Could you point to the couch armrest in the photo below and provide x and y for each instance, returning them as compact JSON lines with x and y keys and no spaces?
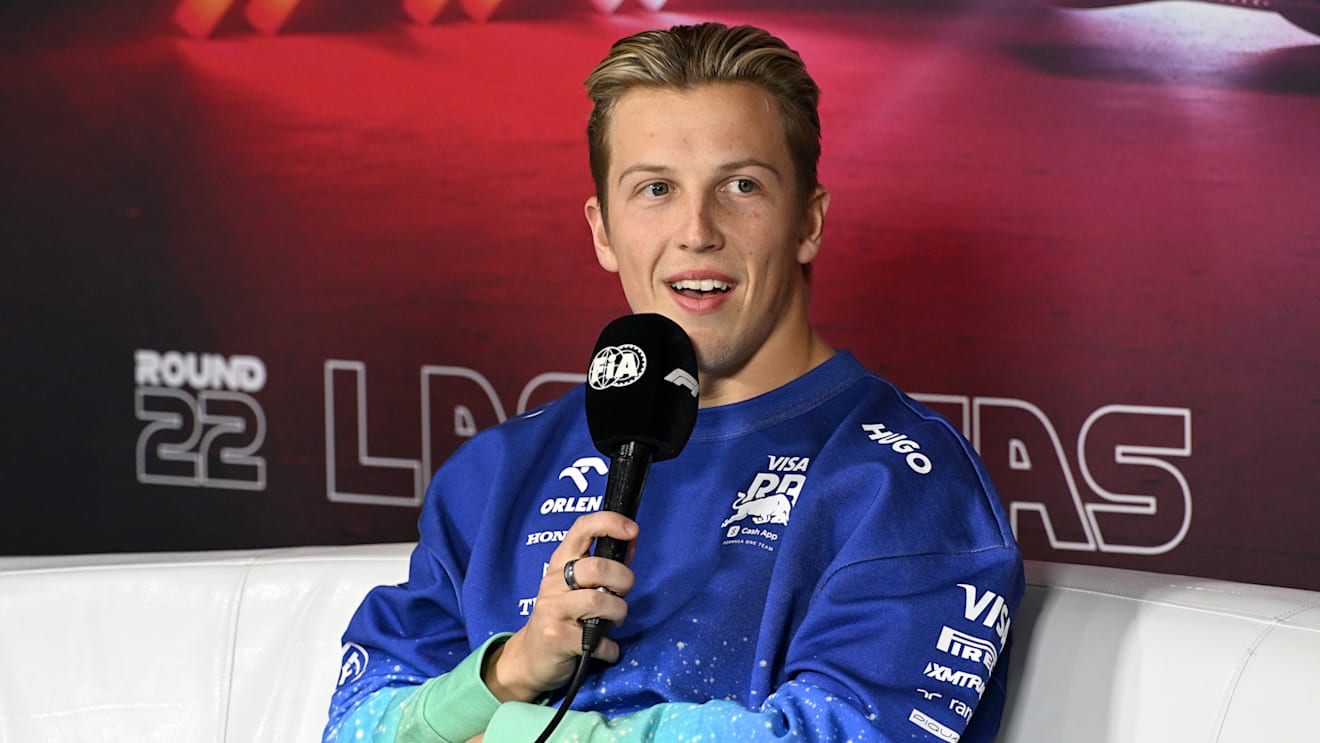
{"x":1108,"y":655}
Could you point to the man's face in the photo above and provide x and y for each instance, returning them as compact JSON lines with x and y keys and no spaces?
{"x":704,"y":225}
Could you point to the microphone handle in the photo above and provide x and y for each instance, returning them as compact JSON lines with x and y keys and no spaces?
{"x":623,"y":491}
{"x":623,"y":494}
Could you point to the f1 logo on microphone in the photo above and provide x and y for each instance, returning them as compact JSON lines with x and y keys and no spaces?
{"x":681,"y":378}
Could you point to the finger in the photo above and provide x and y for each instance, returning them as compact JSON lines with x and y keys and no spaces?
{"x":607,"y":650}
{"x":599,"y":572}
{"x":585,"y":530}
{"x":577,"y":606}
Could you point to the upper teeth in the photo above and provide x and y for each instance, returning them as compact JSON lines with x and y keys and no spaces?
{"x":702,"y":285}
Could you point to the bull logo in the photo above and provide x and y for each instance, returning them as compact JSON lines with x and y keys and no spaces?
{"x":769,"y":500}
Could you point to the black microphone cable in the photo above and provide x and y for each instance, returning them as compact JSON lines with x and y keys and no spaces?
{"x":589,"y":642}
{"x":629,"y":466}
{"x":595,"y":629}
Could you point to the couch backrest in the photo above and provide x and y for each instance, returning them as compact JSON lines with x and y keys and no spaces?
{"x":244,"y":647}
{"x":192,"y":648}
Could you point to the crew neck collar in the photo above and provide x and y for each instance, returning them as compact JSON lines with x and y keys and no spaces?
{"x":784,"y":402}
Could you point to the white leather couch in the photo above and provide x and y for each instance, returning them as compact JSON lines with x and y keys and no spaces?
{"x":244,"y":647}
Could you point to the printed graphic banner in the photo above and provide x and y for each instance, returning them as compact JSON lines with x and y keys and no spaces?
{"x":266,"y":272}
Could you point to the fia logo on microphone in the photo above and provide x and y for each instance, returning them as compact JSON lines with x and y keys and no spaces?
{"x":616,"y":366}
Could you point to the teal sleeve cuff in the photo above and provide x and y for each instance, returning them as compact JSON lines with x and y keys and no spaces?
{"x":454,"y":706}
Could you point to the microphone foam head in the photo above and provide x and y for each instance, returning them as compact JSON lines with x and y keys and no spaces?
{"x":642,"y":385}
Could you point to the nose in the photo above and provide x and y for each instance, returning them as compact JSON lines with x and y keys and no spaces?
{"x":700,"y":231}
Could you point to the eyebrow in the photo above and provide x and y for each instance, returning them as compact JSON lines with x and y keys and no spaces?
{"x":729,"y":167}
{"x":750,"y":162}
{"x":644,"y":168}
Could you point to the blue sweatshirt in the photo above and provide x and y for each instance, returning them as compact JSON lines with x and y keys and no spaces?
{"x":827,"y":561}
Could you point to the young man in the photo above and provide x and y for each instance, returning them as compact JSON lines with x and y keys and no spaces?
{"x":826,"y":559}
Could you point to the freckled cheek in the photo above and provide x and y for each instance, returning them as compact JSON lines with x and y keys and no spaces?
{"x":758,"y":223}
{"x":743,"y":215}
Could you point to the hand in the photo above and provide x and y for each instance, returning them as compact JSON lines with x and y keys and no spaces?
{"x":541,"y":656}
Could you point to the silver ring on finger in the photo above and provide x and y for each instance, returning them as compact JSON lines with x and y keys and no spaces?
{"x":569,"y":578}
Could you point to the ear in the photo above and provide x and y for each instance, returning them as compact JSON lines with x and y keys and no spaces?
{"x":813,"y":225}
{"x":600,"y":235}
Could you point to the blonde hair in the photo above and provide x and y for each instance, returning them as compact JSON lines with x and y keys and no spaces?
{"x":685,"y":57}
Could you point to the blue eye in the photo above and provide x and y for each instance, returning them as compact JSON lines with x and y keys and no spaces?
{"x":657,"y":189}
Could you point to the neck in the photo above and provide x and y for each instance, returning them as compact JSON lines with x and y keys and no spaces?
{"x":767,"y":370}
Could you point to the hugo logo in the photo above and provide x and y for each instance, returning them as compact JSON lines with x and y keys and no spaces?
{"x":899,"y":442}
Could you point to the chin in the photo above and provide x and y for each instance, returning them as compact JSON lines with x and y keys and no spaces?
{"x":715,"y":358}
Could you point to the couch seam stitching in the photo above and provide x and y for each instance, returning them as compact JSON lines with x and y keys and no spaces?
{"x":233,"y":648}
{"x":1248,"y":655}
{"x":1296,"y":609}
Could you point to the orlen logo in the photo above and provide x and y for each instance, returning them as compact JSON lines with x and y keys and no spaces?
{"x":899,"y":442}
{"x":206,"y":435}
{"x":616,"y":366}
{"x":577,"y":472}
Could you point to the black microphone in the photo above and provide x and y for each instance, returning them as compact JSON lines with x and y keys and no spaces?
{"x":641,"y":408}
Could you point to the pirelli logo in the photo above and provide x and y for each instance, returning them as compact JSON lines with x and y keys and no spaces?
{"x":968,"y":647}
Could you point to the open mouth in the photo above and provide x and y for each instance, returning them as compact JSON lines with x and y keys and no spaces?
{"x":698,"y":288}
